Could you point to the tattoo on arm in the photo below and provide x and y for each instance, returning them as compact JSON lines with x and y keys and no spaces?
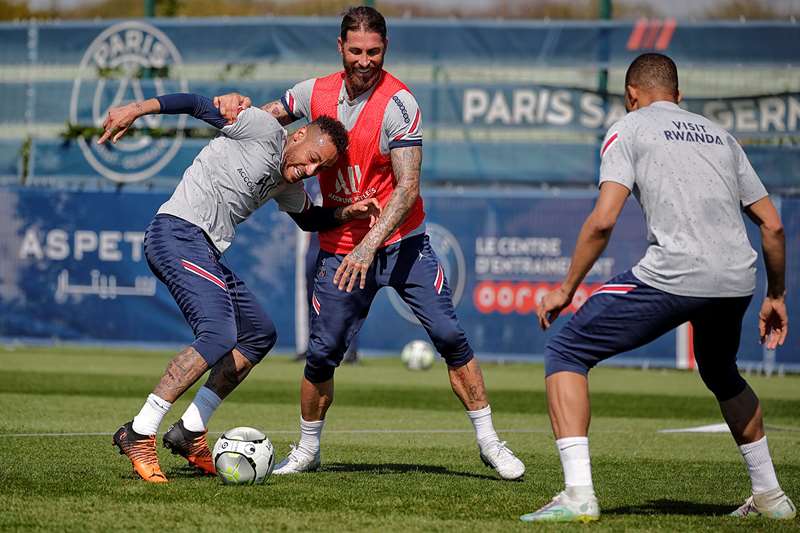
{"x":277,"y":110}
{"x":406,"y":165}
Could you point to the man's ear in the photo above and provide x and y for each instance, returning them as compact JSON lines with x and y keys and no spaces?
{"x":300,"y":134}
{"x":680,"y":97}
{"x":340,"y":44}
{"x":632,"y":94}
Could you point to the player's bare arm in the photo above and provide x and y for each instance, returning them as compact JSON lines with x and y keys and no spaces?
{"x":120,"y":118}
{"x":592,"y":240}
{"x":773,"y":322}
{"x":406,"y":165}
{"x":231,"y":104}
{"x":317,"y":218}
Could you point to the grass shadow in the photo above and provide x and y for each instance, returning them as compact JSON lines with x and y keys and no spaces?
{"x":672,"y":507}
{"x":399,"y":468}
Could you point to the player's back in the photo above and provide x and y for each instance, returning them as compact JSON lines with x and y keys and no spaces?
{"x":691,"y":178}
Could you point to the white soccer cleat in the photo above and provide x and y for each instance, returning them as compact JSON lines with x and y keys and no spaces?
{"x":773,"y":504}
{"x":297,"y":462}
{"x":498,"y":456}
{"x":565,"y":508}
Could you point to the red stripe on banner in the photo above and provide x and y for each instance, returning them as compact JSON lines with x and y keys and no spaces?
{"x":691,"y":361}
{"x":652,"y":34}
{"x":636,"y":35}
{"x":666,"y":34}
{"x":315,"y":303}
{"x":609,"y":142}
{"x":438,"y":283}
{"x":191,"y":267}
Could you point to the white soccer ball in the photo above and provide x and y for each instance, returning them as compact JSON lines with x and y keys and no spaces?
{"x":243,"y":456}
{"x":418,"y":355}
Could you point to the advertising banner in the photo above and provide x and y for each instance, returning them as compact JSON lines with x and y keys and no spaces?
{"x":72,"y":268}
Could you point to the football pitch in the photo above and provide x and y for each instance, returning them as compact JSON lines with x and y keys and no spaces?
{"x":398,"y":453}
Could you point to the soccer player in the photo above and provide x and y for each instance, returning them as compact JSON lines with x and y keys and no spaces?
{"x":383,"y":161}
{"x":251,"y":162}
{"x":692,"y":179}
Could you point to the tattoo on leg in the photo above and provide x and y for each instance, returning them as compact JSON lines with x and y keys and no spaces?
{"x":181,"y":373}
{"x":228,"y":373}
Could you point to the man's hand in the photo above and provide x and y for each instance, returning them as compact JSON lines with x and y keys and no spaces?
{"x":355,"y":264}
{"x":773,"y":322}
{"x":231,"y":104}
{"x":118,"y":121}
{"x":551,"y":306}
{"x":369,"y":208}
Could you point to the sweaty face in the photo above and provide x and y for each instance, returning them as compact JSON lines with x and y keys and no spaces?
{"x":362,"y":57}
{"x":307,"y":152}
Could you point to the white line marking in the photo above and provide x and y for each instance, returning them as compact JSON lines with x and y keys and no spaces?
{"x":713,"y":429}
{"x":293,"y":431}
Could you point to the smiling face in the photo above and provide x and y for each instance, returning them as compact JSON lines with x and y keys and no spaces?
{"x":308,"y":151}
{"x":362,"y":57}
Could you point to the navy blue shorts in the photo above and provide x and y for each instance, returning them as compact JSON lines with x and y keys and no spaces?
{"x":220,"y":309}
{"x":412,"y":269}
{"x":625,"y":313}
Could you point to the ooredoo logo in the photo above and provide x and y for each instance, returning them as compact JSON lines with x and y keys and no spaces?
{"x":127,"y":62}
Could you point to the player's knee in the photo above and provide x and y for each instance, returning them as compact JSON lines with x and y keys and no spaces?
{"x":724,"y":382}
{"x":322,"y":358}
{"x":318,"y":370}
{"x":215,"y":342}
{"x":560,"y":360}
{"x":259,"y":343}
{"x":451,"y":342}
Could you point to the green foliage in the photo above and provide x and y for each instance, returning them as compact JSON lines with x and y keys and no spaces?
{"x":398,"y":453}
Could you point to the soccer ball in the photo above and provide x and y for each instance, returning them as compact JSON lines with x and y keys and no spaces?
{"x":418,"y":355}
{"x":243,"y":456}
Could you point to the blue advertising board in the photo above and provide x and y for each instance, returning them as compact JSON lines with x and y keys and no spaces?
{"x":72,"y":268}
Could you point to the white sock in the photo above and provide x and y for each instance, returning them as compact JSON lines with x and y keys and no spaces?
{"x":310,"y":433}
{"x":759,"y":465}
{"x":574,"y":453}
{"x":200,"y":410}
{"x":484,"y":428}
{"x":149,"y":418}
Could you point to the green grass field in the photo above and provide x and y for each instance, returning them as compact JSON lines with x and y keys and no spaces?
{"x":398,"y":452}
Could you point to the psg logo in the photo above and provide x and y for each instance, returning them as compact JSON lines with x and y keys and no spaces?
{"x":128,"y":62}
{"x":451,"y":257}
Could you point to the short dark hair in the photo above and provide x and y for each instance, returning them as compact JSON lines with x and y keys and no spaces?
{"x":653,"y":71}
{"x":363,"y":18}
{"x":335,"y":130}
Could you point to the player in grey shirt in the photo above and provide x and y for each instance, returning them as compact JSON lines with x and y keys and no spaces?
{"x":692,"y":180}
{"x":249,"y":163}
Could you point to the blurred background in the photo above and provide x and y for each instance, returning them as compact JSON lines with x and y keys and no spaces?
{"x":516,"y":97}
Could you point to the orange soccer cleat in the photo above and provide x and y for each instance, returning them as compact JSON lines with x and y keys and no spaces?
{"x":191,"y":445}
{"x":141,"y":450}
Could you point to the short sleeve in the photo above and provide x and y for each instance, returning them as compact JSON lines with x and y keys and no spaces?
{"x":751,"y":189}
{"x":297,"y":100}
{"x":402,"y":122}
{"x":616,"y":156}
{"x":252,"y":123}
{"x":293,"y":199}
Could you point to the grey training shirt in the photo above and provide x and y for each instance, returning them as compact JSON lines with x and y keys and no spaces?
{"x":691,"y":178}
{"x":235,"y":174}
